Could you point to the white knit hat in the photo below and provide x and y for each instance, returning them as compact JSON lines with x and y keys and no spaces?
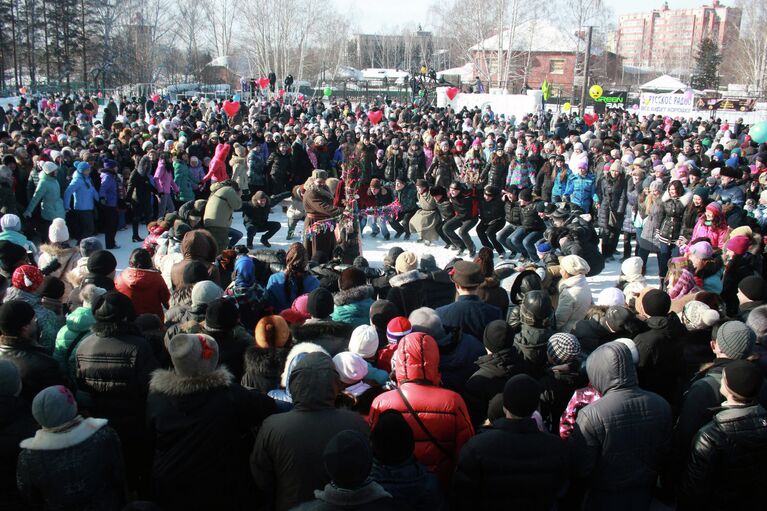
{"x":351,"y":367}
{"x":49,"y":167}
{"x":574,"y":265}
{"x":10,"y":222}
{"x":364,"y":341}
{"x":58,"y":231}
{"x":610,"y":296}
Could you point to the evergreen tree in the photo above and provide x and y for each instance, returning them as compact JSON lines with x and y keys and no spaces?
{"x":707,"y":60}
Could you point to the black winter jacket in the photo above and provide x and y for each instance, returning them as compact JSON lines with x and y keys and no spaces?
{"x":530,"y":219}
{"x":660,"y":356}
{"x":494,"y":371}
{"x":491,"y":210}
{"x":16,"y":424}
{"x":37,"y":370}
{"x":462,"y":205}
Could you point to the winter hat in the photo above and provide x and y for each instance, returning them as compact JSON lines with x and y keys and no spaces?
{"x":631,"y":345}
{"x":113,"y":307}
{"x":702,"y":249}
{"x":520,"y":395}
{"x":193,"y":354}
{"x":574,"y":265}
{"x":398,"y":328}
{"x":90,"y":245}
{"x":320,"y":303}
{"x":245,"y":271}
{"x":49,"y":167}
{"x":392,"y":438}
{"x":102,"y":262}
{"x":364,"y":341}
{"x":10,"y":255}
{"x":15,"y":315}
{"x":10,"y":222}
{"x":543,"y":247}
{"x":348,"y":459}
{"x":654,"y":303}
{"x":497,"y":336}
{"x":467,"y":274}
{"x":27,"y":278}
{"x":221,"y":315}
{"x":738,"y":245}
{"x":735,"y":340}
{"x":351,"y":367}
{"x":701,"y":191}
{"x":391,"y":257}
{"x":52,"y":287}
{"x":10,"y":380}
{"x":632,"y":267}
{"x":194,"y":272}
{"x":351,"y":277}
{"x":425,"y":319}
{"x":743,"y":230}
{"x":205,"y":291}
{"x":58,"y":232}
{"x":752,"y":288}
{"x":272,"y":332}
{"x":148,"y":323}
{"x":714,"y":207}
{"x":563,"y":348}
{"x":360,"y":262}
{"x":381,"y":312}
{"x":298,"y":312}
{"x":54,"y":407}
{"x":406,"y":261}
{"x":610,"y":296}
{"x":698,"y":316}
{"x":744,"y":379}
{"x":616,"y":317}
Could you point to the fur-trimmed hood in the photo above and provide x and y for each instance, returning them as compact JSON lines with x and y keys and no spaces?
{"x":315,"y":328}
{"x":170,"y":383}
{"x":50,"y":441}
{"x":353,"y":294}
{"x":58,"y":251}
{"x":407,"y":277}
{"x":266,"y":360}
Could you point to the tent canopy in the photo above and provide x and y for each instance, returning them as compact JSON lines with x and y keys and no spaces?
{"x":664,"y":83}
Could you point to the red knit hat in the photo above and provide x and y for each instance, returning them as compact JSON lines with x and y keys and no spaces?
{"x":27,"y":278}
{"x":737,"y":244}
{"x":714,"y":207}
{"x":398,"y":328}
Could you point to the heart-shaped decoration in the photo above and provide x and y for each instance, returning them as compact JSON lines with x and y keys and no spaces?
{"x":375,"y":116}
{"x":590,"y":119}
{"x":263,"y":83}
{"x":156,"y":98}
{"x":231,"y":108}
{"x":452,"y":92}
{"x":282,"y":92}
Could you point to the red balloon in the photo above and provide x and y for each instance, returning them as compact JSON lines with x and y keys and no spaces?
{"x":263,"y":83}
{"x":156,"y":98}
{"x":375,"y":116}
{"x":282,"y":92}
{"x":452,"y":92}
{"x":590,"y":118}
{"x":231,"y":108}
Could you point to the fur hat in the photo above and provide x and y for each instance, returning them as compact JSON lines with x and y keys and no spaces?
{"x":351,"y":367}
{"x":27,"y":278}
{"x":351,"y":277}
{"x":272,"y":332}
{"x":406,"y":261}
{"x":364,"y":341}
{"x":193,"y":354}
{"x":58,"y":232}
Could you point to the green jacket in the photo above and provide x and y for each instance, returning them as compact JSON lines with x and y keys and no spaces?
{"x":48,"y":193}
{"x":76,"y":328}
{"x":222,"y":203}
{"x":185,"y":181}
{"x":352,"y":306}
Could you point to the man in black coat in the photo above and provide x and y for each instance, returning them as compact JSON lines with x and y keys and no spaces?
{"x":514,"y":465}
{"x":457,"y":228}
{"x":37,"y":370}
{"x":287,"y":460}
{"x":256,"y":217}
{"x":491,"y":219}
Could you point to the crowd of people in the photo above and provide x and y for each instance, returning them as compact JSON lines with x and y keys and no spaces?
{"x":209,"y":374}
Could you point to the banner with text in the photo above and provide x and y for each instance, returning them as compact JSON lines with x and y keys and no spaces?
{"x":665,"y":104}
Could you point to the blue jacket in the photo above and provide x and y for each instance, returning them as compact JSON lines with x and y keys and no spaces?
{"x":582,"y":191}
{"x":469,"y":313}
{"x":458,"y":354}
{"x":83,"y":191}
{"x":559,"y":187}
{"x":48,"y":195}
{"x":108,"y":190}
{"x":275,"y":290}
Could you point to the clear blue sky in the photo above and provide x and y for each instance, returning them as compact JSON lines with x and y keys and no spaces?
{"x":380,"y":16}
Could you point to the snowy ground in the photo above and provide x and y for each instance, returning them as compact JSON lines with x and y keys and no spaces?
{"x":374,"y":250}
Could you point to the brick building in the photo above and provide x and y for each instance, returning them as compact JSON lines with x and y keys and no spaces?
{"x":666,"y":40}
{"x":539,"y":50}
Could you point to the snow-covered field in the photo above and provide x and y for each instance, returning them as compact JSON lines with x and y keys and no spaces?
{"x":374,"y":250}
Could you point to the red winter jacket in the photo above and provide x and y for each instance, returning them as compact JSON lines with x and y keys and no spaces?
{"x":217,"y":168}
{"x":146,"y":289}
{"x":442,"y":411}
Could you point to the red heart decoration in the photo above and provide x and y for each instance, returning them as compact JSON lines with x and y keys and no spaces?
{"x":263,"y":83}
{"x":231,"y":108}
{"x":452,"y":92}
{"x":156,"y":98}
{"x":282,"y":92}
{"x":590,"y":119}
{"x":375,"y":116}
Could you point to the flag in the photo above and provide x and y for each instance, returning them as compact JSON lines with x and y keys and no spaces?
{"x":546,"y":89}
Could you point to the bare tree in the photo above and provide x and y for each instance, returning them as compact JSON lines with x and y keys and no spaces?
{"x":750,"y":52}
{"x":221,"y":20}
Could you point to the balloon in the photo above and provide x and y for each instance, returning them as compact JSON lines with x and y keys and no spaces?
{"x":689,"y":93}
{"x":375,"y":116}
{"x":590,"y":119}
{"x":635,"y":107}
{"x":452,"y":92}
{"x":156,"y":98}
{"x":263,"y":83}
{"x":100,"y":94}
{"x":595,"y":92}
{"x":236,"y":97}
{"x":758,"y":132}
{"x":327,"y":92}
{"x":567,"y":106}
{"x":300,"y":97}
{"x":231,"y":108}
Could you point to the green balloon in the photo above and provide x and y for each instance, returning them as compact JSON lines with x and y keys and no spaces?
{"x":328,"y":91}
{"x":420,"y":92}
{"x":758,"y":132}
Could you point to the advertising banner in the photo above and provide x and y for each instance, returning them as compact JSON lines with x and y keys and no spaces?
{"x":671,"y":105}
{"x":727,"y":104}
{"x":609,"y":99}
